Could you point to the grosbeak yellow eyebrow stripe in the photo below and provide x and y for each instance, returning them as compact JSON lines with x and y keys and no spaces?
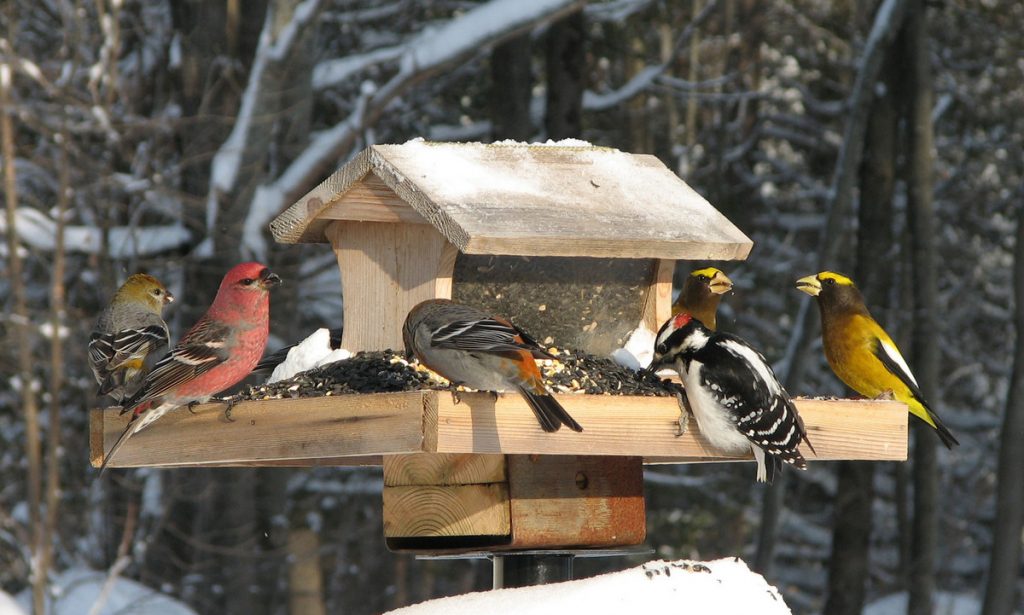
{"x":861,"y":353}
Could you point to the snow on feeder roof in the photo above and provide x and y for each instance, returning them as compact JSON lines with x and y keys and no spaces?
{"x":568,"y":198}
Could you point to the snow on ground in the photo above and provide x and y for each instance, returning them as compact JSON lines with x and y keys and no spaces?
{"x":311,"y":352}
{"x":8,"y":606}
{"x":78,"y":589}
{"x":945,"y":604}
{"x":721,"y":587}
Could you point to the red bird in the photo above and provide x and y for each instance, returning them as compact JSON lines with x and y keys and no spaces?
{"x":218,"y":351}
{"x":469,"y":347}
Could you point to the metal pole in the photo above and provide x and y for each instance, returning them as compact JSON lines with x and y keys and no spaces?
{"x":521,"y":570}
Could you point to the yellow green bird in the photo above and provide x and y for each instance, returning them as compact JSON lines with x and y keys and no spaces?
{"x":861,"y":353}
{"x":701,"y":294}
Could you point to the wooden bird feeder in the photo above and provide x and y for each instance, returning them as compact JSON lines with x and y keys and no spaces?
{"x":577,"y":245}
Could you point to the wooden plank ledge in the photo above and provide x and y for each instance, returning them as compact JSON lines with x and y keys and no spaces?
{"x":359,"y":429}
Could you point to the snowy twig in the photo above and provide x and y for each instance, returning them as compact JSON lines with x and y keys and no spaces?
{"x":593,"y":101}
{"x":123,"y":559}
{"x":37,"y":230}
{"x":428,"y":53}
{"x":21,"y":336}
{"x":272,"y":49}
{"x":334,"y":72}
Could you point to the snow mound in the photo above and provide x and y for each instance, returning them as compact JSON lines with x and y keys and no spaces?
{"x":722,"y":587}
{"x":78,"y":589}
{"x":311,"y":352}
{"x":638,"y":351}
{"x":8,"y":606}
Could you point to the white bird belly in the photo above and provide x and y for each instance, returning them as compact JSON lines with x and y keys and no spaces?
{"x":714,"y":420}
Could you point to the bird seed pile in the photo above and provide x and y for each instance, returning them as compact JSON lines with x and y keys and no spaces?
{"x":388,"y":372}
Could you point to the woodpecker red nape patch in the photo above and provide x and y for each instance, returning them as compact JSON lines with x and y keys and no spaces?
{"x":681,"y":320}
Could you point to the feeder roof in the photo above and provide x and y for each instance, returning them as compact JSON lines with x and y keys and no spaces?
{"x":558,"y":199}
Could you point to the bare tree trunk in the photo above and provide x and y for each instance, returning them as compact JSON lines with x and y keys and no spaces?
{"x":1004,"y":564}
{"x":511,"y":89}
{"x":851,"y":530}
{"x":692,"y":75}
{"x":57,"y":317}
{"x":883,"y":31}
{"x":566,"y":64}
{"x":305,"y":579}
{"x":926,"y":352}
{"x":22,"y":324}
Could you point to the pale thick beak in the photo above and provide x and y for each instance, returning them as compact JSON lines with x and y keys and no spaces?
{"x":720,"y":284}
{"x":168,"y":297}
{"x":809,"y":285}
{"x":268,"y":279}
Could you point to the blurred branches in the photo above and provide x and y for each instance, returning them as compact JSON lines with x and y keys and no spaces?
{"x":122,"y":120}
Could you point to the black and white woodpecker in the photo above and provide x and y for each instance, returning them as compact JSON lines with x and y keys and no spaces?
{"x":738,"y":402}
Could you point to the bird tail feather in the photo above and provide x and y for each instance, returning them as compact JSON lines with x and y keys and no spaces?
{"x":925,"y":413}
{"x":550,"y":414}
{"x":943,"y":432}
{"x":129,"y":430}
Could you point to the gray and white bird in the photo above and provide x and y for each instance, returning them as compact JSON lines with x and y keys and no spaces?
{"x":129,"y":336}
{"x":738,"y":402}
{"x":472,"y":348}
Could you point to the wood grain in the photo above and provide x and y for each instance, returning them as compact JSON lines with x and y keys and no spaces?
{"x":645,"y":426}
{"x":572,"y":500}
{"x":370,"y":200}
{"x":323,"y":430}
{"x":658,"y":301}
{"x":386,"y":269}
{"x":273,"y":432}
{"x":524,"y":200}
{"x":443,"y":469}
{"x":463,"y":510}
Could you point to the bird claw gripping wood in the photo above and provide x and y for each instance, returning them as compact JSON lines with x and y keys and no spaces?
{"x":192,"y":406}
{"x":684,"y":414}
{"x":230,"y":401}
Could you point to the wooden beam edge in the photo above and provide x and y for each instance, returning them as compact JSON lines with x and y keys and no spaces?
{"x":293,"y":224}
{"x":334,"y":430}
{"x":646,"y":426}
{"x":428,"y":421}
{"x":605,"y":247}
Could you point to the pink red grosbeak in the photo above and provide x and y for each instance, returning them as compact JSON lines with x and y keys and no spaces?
{"x":217,"y":352}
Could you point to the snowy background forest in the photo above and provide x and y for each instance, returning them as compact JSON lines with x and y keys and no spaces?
{"x":879,"y":138}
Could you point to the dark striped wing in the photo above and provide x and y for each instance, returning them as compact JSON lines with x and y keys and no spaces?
{"x":485,"y":335}
{"x":746,"y":386}
{"x":204,"y":348}
{"x":893,"y":361}
{"x":101,"y":351}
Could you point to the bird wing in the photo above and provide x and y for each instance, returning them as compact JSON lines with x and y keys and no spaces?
{"x":485,"y":335}
{"x":101,"y":350}
{"x":746,"y":386}
{"x":203,"y":348}
{"x":136,"y":343}
{"x":739,"y":376}
{"x":890,"y":356}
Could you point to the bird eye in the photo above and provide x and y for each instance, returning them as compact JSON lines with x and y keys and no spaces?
{"x":830,"y":282}
{"x":661,"y":349}
{"x":703,"y":278}
{"x":247,"y":281}
{"x":157,"y":292}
